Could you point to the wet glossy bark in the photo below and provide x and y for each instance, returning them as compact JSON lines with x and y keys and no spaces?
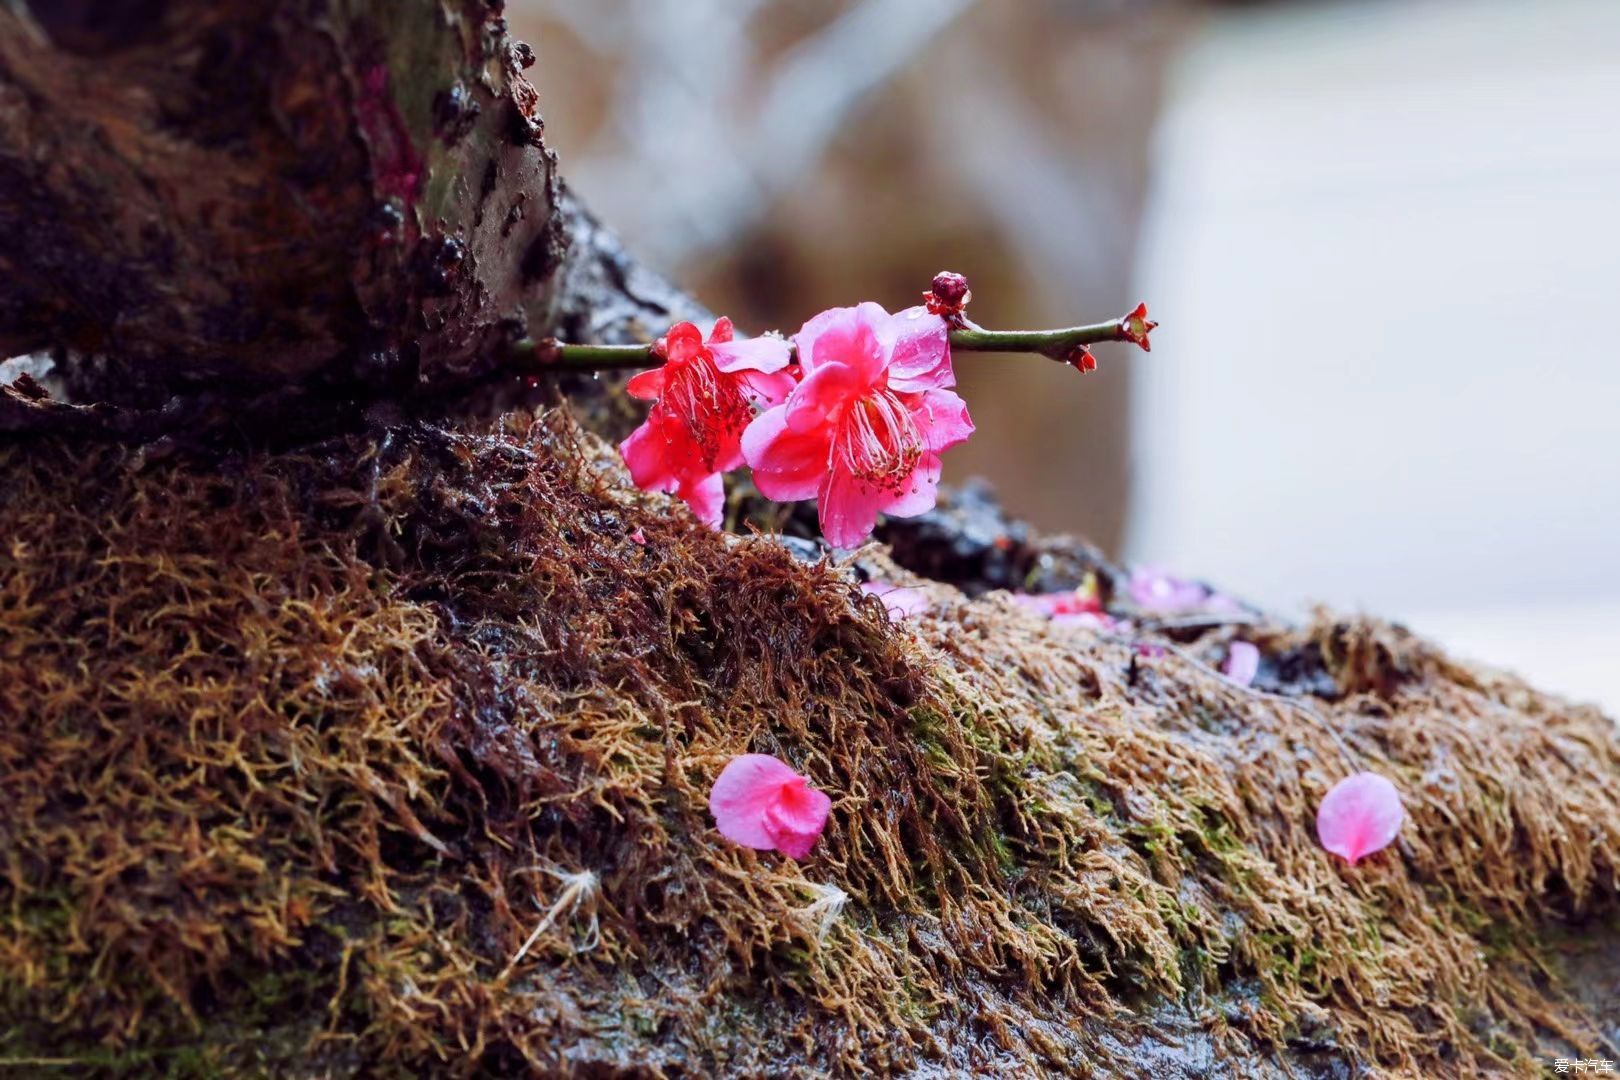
{"x":231,"y":197}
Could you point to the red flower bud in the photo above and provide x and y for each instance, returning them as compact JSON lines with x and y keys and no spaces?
{"x":1136,"y":327}
{"x":949,"y":295}
{"x":1082,"y":359}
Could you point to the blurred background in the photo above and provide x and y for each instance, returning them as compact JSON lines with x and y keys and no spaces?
{"x":1383,"y":238}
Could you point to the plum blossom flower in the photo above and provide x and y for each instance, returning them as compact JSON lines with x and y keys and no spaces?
{"x":1359,"y":815}
{"x":759,"y":802}
{"x":1242,"y":663}
{"x":704,"y":396}
{"x":899,"y":601}
{"x":862,"y":433}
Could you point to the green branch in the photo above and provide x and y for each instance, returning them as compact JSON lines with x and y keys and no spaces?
{"x":551,"y":354}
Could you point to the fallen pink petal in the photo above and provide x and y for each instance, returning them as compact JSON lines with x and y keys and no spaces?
{"x":1360,"y":815}
{"x":759,"y":802}
{"x":1155,"y":589}
{"x":1092,"y":620}
{"x":900,"y":602}
{"x":1242,"y":663}
{"x":1082,"y":600}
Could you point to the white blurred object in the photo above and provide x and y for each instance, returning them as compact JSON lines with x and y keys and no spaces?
{"x":1385,"y":247}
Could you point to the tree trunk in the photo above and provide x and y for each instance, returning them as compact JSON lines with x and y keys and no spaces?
{"x":202,"y":201}
{"x":348,"y":733}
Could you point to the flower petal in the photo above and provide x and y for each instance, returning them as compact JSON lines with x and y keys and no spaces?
{"x":822,"y":395}
{"x":942,"y":419}
{"x":1091,"y":620}
{"x":919,"y":350}
{"x":788,"y":466}
{"x":644,"y":454}
{"x":848,"y":508}
{"x":646,"y":385}
{"x":1156,"y":589}
{"x":755,"y":354}
{"x":918,"y":491}
{"x":899,"y":601}
{"x":795,"y":820}
{"x":706,"y":495}
{"x":767,"y":389}
{"x":1360,"y":815}
{"x":1242,"y":663}
{"x":683,"y":342}
{"x":844,"y":336}
{"x":759,"y":802}
{"x":745,"y":788}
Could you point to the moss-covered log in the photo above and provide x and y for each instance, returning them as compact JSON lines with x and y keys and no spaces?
{"x":301,"y":751}
{"x":386,"y":752}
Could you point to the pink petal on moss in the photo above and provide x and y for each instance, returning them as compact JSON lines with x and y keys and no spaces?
{"x":1156,"y":589}
{"x":795,"y":820}
{"x":1242,"y":663}
{"x":899,"y":601}
{"x":746,"y":786}
{"x":759,"y":802}
{"x":1092,"y":620}
{"x":1360,"y":815}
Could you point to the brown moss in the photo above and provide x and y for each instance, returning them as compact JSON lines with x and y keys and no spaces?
{"x":408,"y":772}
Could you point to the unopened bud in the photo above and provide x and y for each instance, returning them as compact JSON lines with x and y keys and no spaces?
{"x":949,"y":295}
{"x":950,"y":287}
{"x":1082,"y":360}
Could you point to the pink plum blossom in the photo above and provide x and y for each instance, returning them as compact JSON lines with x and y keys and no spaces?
{"x":899,"y":601}
{"x":862,"y":433}
{"x":1360,"y":815}
{"x":759,"y":802}
{"x":1242,"y":663}
{"x":704,"y":396}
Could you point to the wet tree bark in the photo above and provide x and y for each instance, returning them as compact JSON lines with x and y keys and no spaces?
{"x":300,"y":203}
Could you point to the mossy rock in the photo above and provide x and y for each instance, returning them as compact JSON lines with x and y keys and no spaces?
{"x":390,"y":757}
